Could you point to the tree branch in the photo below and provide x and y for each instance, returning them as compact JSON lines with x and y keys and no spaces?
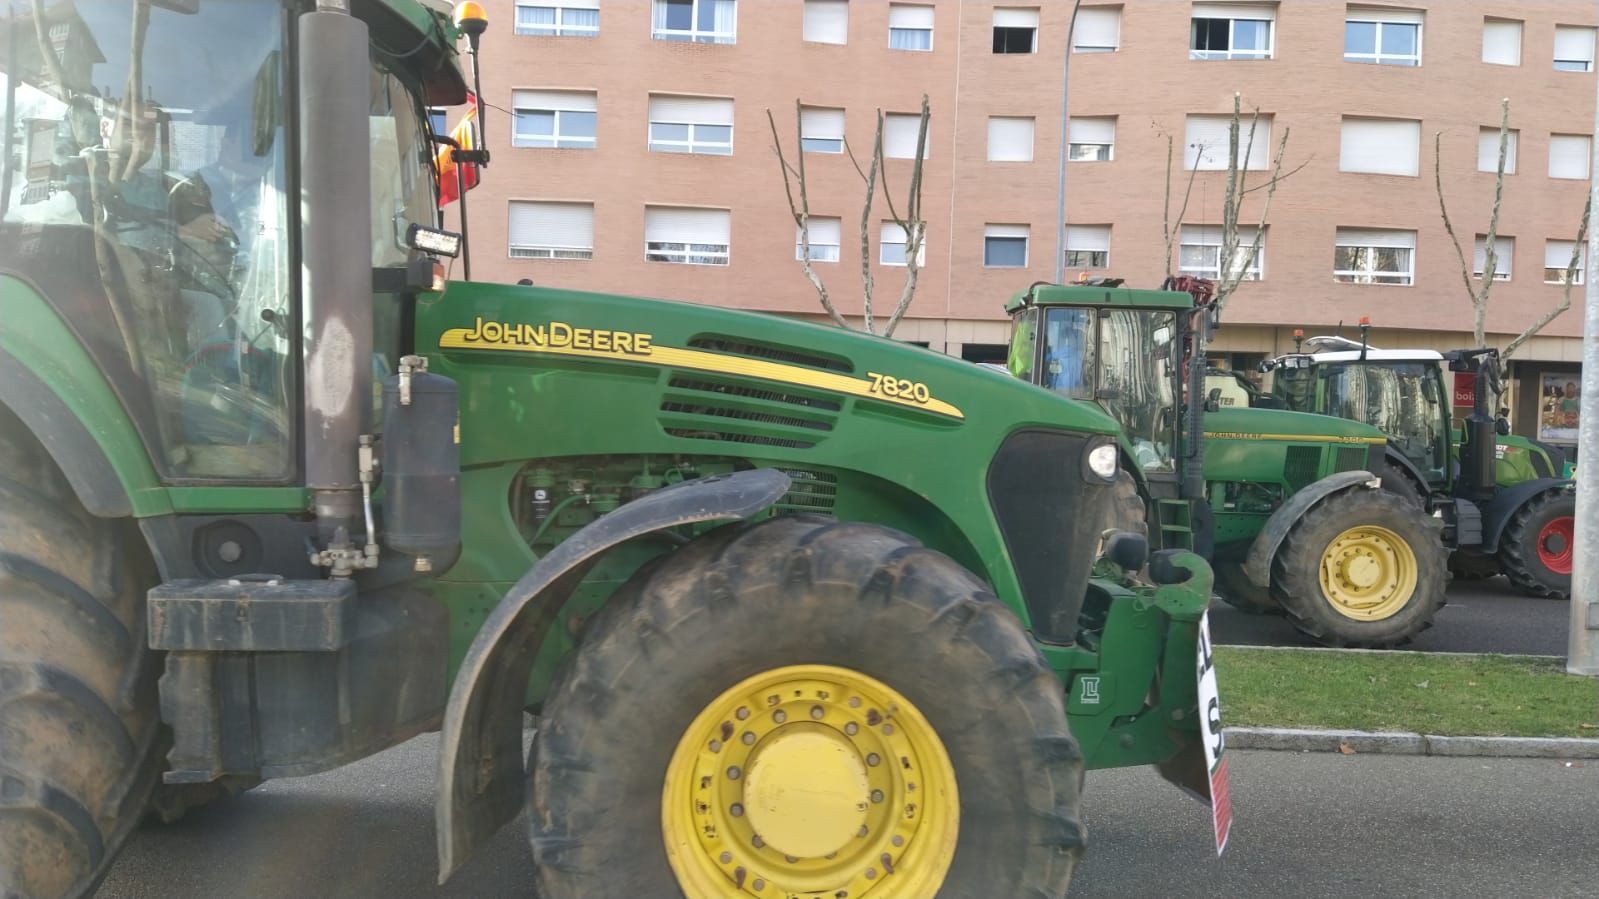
{"x":1565,"y":293}
{"x":1490,"y":252}
{"x":867,"y":283}
{"x":802,"y":216}
{"x":1449,"y":228}
{"x":916,"y":234}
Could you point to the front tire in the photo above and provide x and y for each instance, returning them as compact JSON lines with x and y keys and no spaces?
{"x":643,"y":782}
{"x":78,"y":710}
{"x":1237,"y":590}
{"x":1361,"y":568}
{"x":1536,"y":550}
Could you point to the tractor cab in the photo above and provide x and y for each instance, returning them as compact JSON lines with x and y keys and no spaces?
{"x":1399,"y":392}
{"x":149,"y":180}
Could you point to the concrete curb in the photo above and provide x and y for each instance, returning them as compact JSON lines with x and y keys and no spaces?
{"x":1405,"y":743}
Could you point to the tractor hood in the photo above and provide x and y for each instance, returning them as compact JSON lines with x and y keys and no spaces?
{"x":1279,"y":424}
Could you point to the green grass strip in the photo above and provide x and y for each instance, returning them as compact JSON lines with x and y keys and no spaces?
{"x":1464,"y":695}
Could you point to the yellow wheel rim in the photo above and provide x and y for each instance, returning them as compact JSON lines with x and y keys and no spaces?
{"x":1368,"y":573}
{"x":810,"y":779}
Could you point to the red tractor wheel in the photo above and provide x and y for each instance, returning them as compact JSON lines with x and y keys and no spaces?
{"x":1536,"y":549}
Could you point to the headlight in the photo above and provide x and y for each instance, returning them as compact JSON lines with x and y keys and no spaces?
{"x":1102,"y":461}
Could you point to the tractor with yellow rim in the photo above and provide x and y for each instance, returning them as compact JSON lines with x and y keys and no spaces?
{"x":798,"y":611}
{"x":1290,"y":507}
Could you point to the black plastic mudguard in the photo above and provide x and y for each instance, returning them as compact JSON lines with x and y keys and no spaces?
{"x":482,"y":773}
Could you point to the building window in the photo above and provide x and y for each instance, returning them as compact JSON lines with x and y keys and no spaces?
{"x":1199,"y":253}
{"x":910,"y":27}
{"x":1389,"y":37}
{"x":1363,"y":256}
{"x":1091,"y":139}
{"x":1231,"y":31}
{"x":1488,"y":150}
{"x":1504,"y":250}
{"x":826,"y":234}
{"x":1557,"y":259}
{"x":826,"y":21}
{"x":572,"y":18}
{"x":553,"y":119}
{"x":1568,"y":156}
{"x":1010,"y":139}
{"x":1015,"y":30}
{"x":821,"y":130}
{"x":1005,"y":246}
{"x":1501,"y":42}
{"x":699,"y":21}
{"x":900,"y":130}
{"x":1098,"y":30}
{"x":1379,"y":146}
{"x":540,"y":230}
{"x":1573,"y":48}
{"x":686,"y":235}
{"x":1087,"y":246}
{"x":1206,"y":143}
{"x":691,"y":125}
{"x":891,"y":245}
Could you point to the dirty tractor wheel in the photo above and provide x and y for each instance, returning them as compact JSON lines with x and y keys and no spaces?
{"x":78,"y":710}
{"x":1237,"y":590}
{"x":1361,"y":568}
{"x":1536,"y":550}
{"x":804,"y":707}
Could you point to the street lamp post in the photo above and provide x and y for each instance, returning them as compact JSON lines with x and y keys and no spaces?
{"x":1582,"y":656}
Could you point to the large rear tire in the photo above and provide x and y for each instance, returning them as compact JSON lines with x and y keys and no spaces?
{"x":1237,"y":590}
{"x":882,"y":687}
{"x":78,"y":709}
{"x":1361,"y":568}
{"x":1536,"y":550}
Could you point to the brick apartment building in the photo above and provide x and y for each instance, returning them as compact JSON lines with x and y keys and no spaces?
{"x":632,"y":154}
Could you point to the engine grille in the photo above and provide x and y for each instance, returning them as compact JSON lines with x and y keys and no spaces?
{"x":733,"y":410}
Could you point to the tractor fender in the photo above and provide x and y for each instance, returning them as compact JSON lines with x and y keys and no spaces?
{"x":1258,"y":566}
{"x":74,"y":450}
{"x":1497,"y":512}
{"x":482,"y":775}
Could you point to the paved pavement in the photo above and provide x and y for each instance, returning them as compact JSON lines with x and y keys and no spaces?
{"x":1308,"y":825}
{"x":1482,"y":616}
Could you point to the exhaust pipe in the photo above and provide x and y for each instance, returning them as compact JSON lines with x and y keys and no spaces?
{"x":335,"y":216}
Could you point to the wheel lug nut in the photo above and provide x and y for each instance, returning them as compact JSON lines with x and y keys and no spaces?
{"x":748,"y":738}
{"x":871,"y":874}
{"x":759,"y":884}
{"x":852,"y":728}
{"x":790,"y":859}
{"x":898,"y":841}
{"x":757,"y":842}
{"x":872,"y":759}
{"x":779,"y":716}
{"x":877,"y":795}
{"x":854,"y":702}
{"x":888,"y":730}
{"x":733,"y":773}
{"x":816,"y":712}
{"x":727,"y":857}
{"x":742,"y":713}
{"x":737,"y":811}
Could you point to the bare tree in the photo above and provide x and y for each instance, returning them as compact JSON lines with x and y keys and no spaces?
{"x":911,"y":222}
{"x":1235,"y":258}
{"x":1481,"y":291}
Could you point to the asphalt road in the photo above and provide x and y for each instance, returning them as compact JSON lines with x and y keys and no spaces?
{"x":1481,"y":616}
{"x":1306,"y":825}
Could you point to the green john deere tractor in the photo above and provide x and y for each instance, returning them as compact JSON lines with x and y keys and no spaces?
{"x":1510,"y":510}
{"x":800,"y":611}
{"x":1285,"y":504}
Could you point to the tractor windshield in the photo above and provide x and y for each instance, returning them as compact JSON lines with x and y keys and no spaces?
{"x":1124,"y":360}
{"x":142,"y":191}
{"x":1401,"y":399}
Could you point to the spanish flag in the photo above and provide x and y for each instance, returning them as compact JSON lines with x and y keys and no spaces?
{"x":465,"y":134}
